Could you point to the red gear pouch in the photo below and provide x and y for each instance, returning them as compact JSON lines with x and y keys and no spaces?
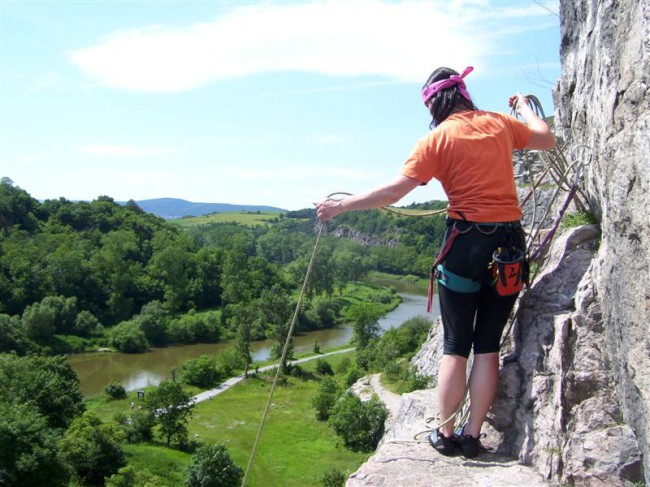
{"x":509,"y":271}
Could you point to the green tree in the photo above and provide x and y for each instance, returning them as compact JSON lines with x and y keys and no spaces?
{"x":130,"y":476}
{"x":92,"y":448}
{"x":12,"y":335}
{"x":48,"y":383}
{"x":154,"y":320}
{"x":324,"y":400}
{"x":273,"y":309}
{"x":360,"y":424}
{"x":65,"y":312}
{"x":201,"y":372}
{"x":236,"y":275}
{"x":115,"y":390}
{"x":349,"y":267}
{"x":17,"y":207}
{"x":127,"y":337}
{"x":86,"y":324}
{"x":212,"y":467}
{"x":39,"y":321}
{"x":138,"y":427}
{"x":366,"y":326}
{"x":116,"y":265}
{"x":243,"y":321}
{"x":173,"y":408}
{"x":333,"y":478}
{"x":206,"y":287}
{"x":29,"y":453}
{"x":172,"y":264}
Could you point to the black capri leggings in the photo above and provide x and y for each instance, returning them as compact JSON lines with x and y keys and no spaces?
{"x":476,"y":318}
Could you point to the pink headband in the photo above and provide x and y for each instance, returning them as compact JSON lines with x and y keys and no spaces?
{"x":454,"y":79}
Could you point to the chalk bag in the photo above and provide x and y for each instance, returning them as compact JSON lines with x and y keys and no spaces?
{"x":509,"y":271}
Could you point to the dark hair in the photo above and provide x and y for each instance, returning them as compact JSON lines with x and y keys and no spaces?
{"x":446,"y":101}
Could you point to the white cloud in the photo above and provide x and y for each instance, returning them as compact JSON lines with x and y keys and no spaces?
{"x":344,"y":38}
{"x":124,"y":150}
{"x":297,"y":172}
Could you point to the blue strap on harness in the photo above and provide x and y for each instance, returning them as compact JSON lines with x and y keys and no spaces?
{"x":456,"y":283}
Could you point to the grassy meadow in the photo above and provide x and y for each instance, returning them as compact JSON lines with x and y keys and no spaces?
{"x":295,"y":449}
{"x":250,"y":219}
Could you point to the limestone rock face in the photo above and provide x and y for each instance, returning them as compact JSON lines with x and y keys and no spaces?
{"x":603,"y":104}
{"x":557,"y":407}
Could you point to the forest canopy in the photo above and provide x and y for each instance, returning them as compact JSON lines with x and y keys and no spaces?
{"x":111,"y":272}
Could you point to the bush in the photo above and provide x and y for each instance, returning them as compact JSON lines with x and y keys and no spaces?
{"x":323,"y":367}
{"x":384,"y":297}
{"x":333,"y":478}
{"x":321,"y":313}
{"x":130,"y":476}
{"x":360,"y":424}
{"x":115,"y":390}
{"x":138,"y":427}
{"x":92,"y":449}
{"x":413,"y":380}
{"x":193,"y":328}
{"x":296,"y":371}
{"x":86,"y":324}
{"x":353,"y":375}
{"x":229,"y":361}
{"x":344,"y":365}
{"x":393,"y":370}
{"x":396,"y":343}
{"x":576,"y":219}
{"x":212,"y":466}
{"x":29,"y":451}
{"x":127,"y":337}
{"x":325,"y":398}
{"x":201,"y":372}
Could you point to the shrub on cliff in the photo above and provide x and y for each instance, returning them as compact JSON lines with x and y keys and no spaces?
{"x":361,"y":424}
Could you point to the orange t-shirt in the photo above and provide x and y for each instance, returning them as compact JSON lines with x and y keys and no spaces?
{"x":470,"y":153}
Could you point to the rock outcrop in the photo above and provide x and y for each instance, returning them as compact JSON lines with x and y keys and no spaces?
{"x":557,"y":407}
{"x":603,"y":101}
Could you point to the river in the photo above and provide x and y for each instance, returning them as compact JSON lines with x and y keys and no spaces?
{"x":135,"y":371}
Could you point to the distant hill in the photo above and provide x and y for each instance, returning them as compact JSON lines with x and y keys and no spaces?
{"x":176,"y":208}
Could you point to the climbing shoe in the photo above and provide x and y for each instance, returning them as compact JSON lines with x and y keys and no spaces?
{"x":468,"y":445}
{"x":443,"y":444}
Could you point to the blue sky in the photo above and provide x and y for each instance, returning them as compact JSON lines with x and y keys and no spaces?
{"x":271,"y":103}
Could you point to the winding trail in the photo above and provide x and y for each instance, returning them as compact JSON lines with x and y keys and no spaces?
{"x":209,"y":394}
{"x":391,"y":400}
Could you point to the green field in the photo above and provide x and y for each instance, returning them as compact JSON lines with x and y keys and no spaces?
{"x":295,"y":449}
{"x":243,"y":218}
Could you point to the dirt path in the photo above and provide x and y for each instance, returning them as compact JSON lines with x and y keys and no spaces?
{"x":390,"y":399}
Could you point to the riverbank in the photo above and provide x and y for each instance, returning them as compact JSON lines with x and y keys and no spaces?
{"x":139,"y":371}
